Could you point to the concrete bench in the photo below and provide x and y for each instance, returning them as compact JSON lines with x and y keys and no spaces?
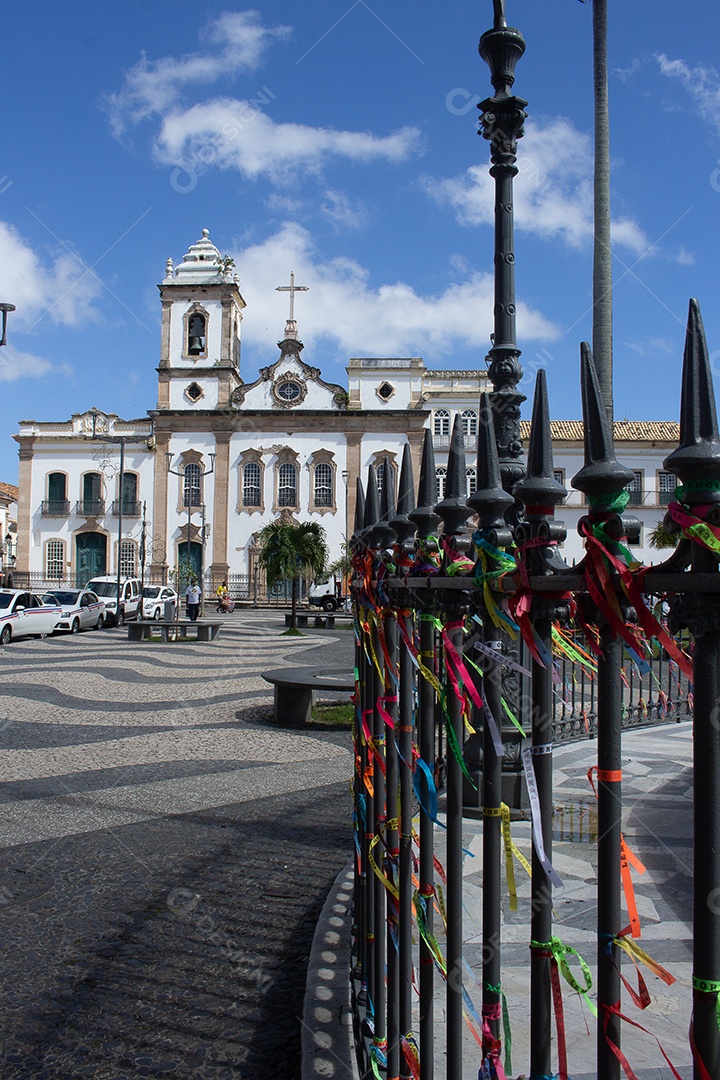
{"x":203,"y":630}
{"x":294,"y":689}
{"x":317,"y":620}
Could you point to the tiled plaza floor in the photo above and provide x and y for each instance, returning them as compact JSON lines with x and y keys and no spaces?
{"x":164,"y":853}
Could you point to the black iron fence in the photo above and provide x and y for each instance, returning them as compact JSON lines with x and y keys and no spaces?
{"x":445,"y":696}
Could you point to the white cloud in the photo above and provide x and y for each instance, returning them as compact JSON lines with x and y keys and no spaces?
{"x":702,"y":83}
{"x":22,"y":365}
{"x":553,"y":191}
{"x":63,"y":292}
{"x":231,"y":134}
{"x":239,"y":42}
{"x":236,"y":133}
{"x":342,"y":307}
{"x":652,"y":347}
{"x":344,"y":213}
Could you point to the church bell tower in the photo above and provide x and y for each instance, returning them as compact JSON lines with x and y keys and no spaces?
{"x":200,"y":345}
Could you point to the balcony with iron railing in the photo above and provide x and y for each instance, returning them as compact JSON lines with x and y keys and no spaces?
{"x":130,"y":508}
{"x":55,"y":508}
{"x":90,"y":508}
{"x":442,"y":442}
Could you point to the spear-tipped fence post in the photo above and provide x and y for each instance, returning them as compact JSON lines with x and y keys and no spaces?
{"x":426,"y":522}
{"x":490,"y":501}
{"x":373,"y":535}
{"x":453,"y":511}
{"x":540,"y":493}
{"x":404,"y":529}
{"x":603,"y":480}
{"x":361,"y":759}
{"x":387,"y":626}
{"x":697,"y":464}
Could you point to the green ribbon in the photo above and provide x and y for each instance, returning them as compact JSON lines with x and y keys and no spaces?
{"x":559,"y":950}
{"x":615,"y":505}
{"x":709,"y":986}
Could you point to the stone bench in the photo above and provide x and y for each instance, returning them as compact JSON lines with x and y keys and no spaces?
{"x":145,"y":629}
{"x":317,"y":620}
{"x":294,"y":689}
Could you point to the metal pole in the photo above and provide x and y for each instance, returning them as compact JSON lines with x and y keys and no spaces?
{"x":609,"y":750}
{"x":405,"y":884}
{"x":541,"y":909}
{"x":426,"y":736}
{"x":393,"y":791}
{"x":380,"y":818}
{"x":454,"y":867}
{"x":120,"y":523}
{"x":491,"y":840}
{"x":706,"y":842}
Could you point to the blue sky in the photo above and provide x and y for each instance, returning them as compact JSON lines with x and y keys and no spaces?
{"x":339,"y":140}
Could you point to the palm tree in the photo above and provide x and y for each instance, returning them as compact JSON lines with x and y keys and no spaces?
{"x":602,"y":255}
{"x":602,"y":331}
{"x":290,"y":551}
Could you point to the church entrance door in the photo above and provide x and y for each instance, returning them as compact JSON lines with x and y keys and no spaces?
{"x":90,"y":557}
{"x":194,"y":558}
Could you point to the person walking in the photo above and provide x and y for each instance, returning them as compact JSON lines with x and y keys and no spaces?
{"x":192,"y":600}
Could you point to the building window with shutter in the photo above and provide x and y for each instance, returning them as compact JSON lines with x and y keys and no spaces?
{"x":323,"y":485}
{"x":251,"y":487}
{"x":287,"y":485}
{"x":128,"y":558}
{"x":55,"y":560}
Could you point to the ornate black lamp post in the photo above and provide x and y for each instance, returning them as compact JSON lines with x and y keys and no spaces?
{"x":501,"y":119}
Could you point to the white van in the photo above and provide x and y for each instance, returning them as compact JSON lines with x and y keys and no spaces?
{"x":130,"y":596}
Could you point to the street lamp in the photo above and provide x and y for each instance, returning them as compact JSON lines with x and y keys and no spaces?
{"x":4,"y":309}
{"x":345,"y":479}
{"x":199,"y":476}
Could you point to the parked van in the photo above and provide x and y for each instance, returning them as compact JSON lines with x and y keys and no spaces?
{"x":130,"y":597}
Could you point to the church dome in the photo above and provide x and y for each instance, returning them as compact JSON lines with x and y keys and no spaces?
{"x":202,"y":264}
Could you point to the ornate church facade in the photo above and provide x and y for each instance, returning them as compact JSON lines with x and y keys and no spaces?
{"x":198,"y":477}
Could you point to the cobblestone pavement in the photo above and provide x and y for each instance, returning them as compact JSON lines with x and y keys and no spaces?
{"x":164,"y":853}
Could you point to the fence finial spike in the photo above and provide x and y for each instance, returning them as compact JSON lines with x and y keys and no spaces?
{"x":540,"y":488}
{"x":601,"y":473}
{"x":489,"y":500}
{"x":424,"y":516}
{"x":385,"y":534}
{"x":372,"y":503}
{"x":697,"y":458}
{"x":401,"y":523}
{"x":359,"y":506}
{"x":453,"y":509}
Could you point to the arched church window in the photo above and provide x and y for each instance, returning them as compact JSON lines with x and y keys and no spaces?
{"x":440,"y":478}
{"x":287,"y":484}
{"x":192,"y":495}
{"x":251,"y":484}
{"x":323,"y":492}
{"x":471,"y":480}
{"x":469,"y":422}
{"x":380,"y":475}
{"x":441,"y":422}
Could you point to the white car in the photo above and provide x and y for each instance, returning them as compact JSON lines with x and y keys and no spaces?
{"x":23,"y":614}
{"x":81,"y":609}
{"x":155,"y":597}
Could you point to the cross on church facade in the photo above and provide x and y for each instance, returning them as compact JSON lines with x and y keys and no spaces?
{"x":292,"y":288}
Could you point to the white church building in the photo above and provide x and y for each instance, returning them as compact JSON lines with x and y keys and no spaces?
{"x":217,"y":458}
